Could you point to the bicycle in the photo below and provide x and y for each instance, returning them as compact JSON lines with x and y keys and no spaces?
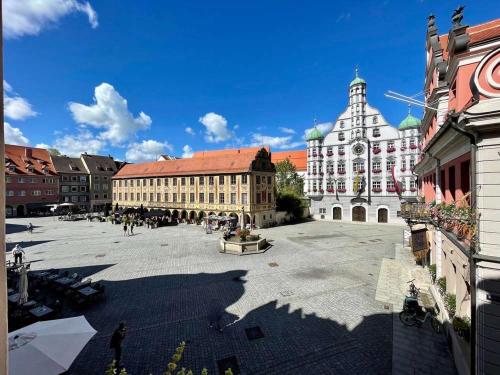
{"x":412,"y":289}
{"x":411,"y":317}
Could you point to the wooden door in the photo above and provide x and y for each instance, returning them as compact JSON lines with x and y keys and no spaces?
{"x":337,"y":213}
{"x":358,"y":213}
{"x":382,"y":215}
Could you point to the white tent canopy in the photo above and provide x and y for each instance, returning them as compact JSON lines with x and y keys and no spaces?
{"x":48,"y":347}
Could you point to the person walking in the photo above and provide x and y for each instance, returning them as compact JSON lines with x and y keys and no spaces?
{"x":29,"y":228}
{"x":132,"y":227}
{"x":17,"y":253}
{"x":116,"y":342}
{"x":124,"y":228}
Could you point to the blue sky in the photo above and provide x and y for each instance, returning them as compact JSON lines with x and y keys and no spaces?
{"x":200,"y":75}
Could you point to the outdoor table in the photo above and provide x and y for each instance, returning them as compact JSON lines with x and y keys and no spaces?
{"x":88,"y":291}
{"x":79,"y":285}
{"x":64,"y":280}
{"x":41,"y":274}
{"x":14,"y":297}
{"x":41,"y":311}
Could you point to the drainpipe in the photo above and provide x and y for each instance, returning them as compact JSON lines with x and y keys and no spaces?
{"x":439,"y":250}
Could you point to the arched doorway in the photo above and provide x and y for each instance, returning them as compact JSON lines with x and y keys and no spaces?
{"x":337,"y":213}
{"x":168,"y":213}
{"x":358,"y":213}
{"x":184,"y":214}
{"x":232,"y":214}
{"x":20,"y":210}
{"x":201,"y":215}
{"x":175,"y":214}
{"x":9,"y":211}
{"x":246,"y":220}
{"x":192,"y":215}
{"x":211,"y":213}
{"x":222,"y":214}
{"x":383,"y":215}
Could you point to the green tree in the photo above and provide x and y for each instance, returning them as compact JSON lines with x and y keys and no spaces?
{"x":288,"y":180}
{"x":54,"y":151}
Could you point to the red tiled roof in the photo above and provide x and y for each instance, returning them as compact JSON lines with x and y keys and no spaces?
{"x":21,"y":158}
{"x":213,"y":162}
{"x":297,"y":158}
{"x":228,"y":152}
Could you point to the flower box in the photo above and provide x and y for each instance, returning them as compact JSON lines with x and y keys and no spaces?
{"x":330,"y":190}
{"x":341,"y":190}
{"x":377,"y":170}
{"x":321,"y":191}
{"x":314,"y":155}
{"x":331,"y":173}
{"x":413,"y":190}
{"x":376,"y":135}
{"x":403,"y":169}
{"x":376,"y":150}
{"x":413,"y":147}
{"x":341,"y":152}
{"x":329,"y":153}
{"x":377,"y":190}
{"x":315,"y":190}
{"x":341,"y":172}
{"x":361,"y":170}
{"x":321,"y":155}
{"x":314,"y":173}
{"x":321,"y":174}
{"x":391,"y":190}
{"x":391,"y":149}
{"x":403,"y":149}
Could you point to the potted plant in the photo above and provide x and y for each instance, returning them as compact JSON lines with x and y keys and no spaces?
{"x":244,"y":233}
{"x":432,"y":271}
{"x":450,"y":301}
{"x":462,"y":327}
{"x":441,"y":284}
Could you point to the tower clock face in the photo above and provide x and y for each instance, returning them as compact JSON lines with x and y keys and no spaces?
{"x":358,"y":149}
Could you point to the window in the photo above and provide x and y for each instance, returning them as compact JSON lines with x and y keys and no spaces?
{"x":211,"y":198}
{"x":165,"y":197}
{"x":83,"y":178}
{"x":114,"y":196}
{"x":158,"y":197}
{"x":106,"y":187}
{"x":125,"y":196}
{"x":358,"y":166}
{"x":105,"y":178}
{"x":329,"y":185}
{"x":96,"y":178}
{"x":329,"y":167}
{"x":341,"y":150}
{"x":233,"y":179}
{"x":269,"y":196}
{"x":269,"y":180}
{"x":314,"y":169}
{"x":165,"y":181}
{"x":144,"y":196}
{"x":221,"y":180}
{"x":451,"y":181}
{"x":412,"y":163}
{"x":412,"y":142}
{"x":49,"y":192}
{"x":105,"y":196}
{"x":202,"y":197}
{"x":233,"y":198}
{"x":97,"y":187}
{"x":403,"y":143}
{"x":376,"y":144}
{"x":341,"y":167}
{"x":119,"y":196}
{"x":119,"y":183}
{"x":258,"y":198}
{"x":342,"y":124}
{"x":158,"y":182}
{"x":131,"y":196}
{"x":257,"y":180}
{"x":390,"y":144}
{"x":376,"y":132}
{"x":211,"y":180}
{"x":144,"y":182}
{"x":83,"y":198}
{"x":376,"y":165}
{"x":375,"y":119}
{"x":376,"y":185}
{"x":74,"y":178}
{"x":65,"y":178}
{"x":221,"y":198}
{"x":114,"y":183}
{"x":74,"y":189}
{"x":131,"y":183}
{"x":36,"y":193}
{"x":244,"y":198}
{"x":403,"y":165}
{"x":151,"y":182}
{"x":21,"y":180}
{"x":33,"y":180}
{"x":263,"y":198}
{"x":413,"y":184}
{"x":389,"y":184}
{"x":174,"y":181}
{"x":322,"y":210}
{"x":341,"y":185}
{"x":151,"y":197}
{"x":83,"y":189}
{"x":202,"y":180}
{"x":191,"y":181}
{"x":341,"y":136}
{"x":74,"y":198}
{"x":191,"y":197}
{"x":64,"y":188}
{"x":390,"y":163}
{"x":174,"y":197}
{"x":244,"y":179}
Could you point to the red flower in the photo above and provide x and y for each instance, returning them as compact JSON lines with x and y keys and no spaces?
{"x":341,"y":152}
{"x":330,"y":190}
{"x":376,"y":150}
{"x":413,"y":147}
{"x":403,"y":148}
{"x":377,"y":170}
{"x":341,"y":172}
{"x":391,"y":149}
{"x":377,"y":190}
{"x":341,"y":190}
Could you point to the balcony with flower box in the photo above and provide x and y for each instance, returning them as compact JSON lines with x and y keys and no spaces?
{"x":377,"y":190}
{"x":403,"y":169}
{"x":377,"y":150}
{"x":413,"y":147}
{"x":321,"y":174}
{"x":391,"y":149}
{"x":331,"y":173}
{"x":341,"y":172}
{"x":329,"y":153}
{"x":341,"y":153}
{"x":391,"y":190}
{"x":376,"y":170}
{"x":361,"y":171}
{"x":341,"y":190}
{"x":413,"y":189}
{"x":403,"y":148}
{"x":330,"y":190}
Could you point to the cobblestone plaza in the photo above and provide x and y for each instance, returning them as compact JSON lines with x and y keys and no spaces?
{"x":312,"y":295}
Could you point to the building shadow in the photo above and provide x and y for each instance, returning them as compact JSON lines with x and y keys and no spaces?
{"x":161,"y":311}
{"x":17,"y":228}
{"x":24,"y":244}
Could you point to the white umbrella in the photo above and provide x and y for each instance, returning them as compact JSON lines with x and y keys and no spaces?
{"x":23,"y":285}
{"x":48,"y":347}
{"x":66,"y":204}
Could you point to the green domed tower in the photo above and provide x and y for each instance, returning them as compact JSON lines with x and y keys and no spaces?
{"x":314,"y":134}
{"x":410,"y":122}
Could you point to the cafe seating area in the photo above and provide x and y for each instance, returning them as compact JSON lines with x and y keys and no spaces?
{"x":52,"y":294}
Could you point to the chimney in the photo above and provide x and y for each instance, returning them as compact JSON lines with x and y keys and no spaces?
{"x":28,"y":152}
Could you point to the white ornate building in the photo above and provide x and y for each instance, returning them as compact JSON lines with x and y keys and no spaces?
{"x":349,"y":170}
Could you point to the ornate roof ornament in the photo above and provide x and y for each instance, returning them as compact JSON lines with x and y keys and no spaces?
{"x":458,"y":15}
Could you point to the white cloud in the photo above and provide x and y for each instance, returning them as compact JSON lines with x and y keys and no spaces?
{"x":216,"y":128}
{"x":190,"y":131}
{"x":14,"y":136}
{"x":42,"y":145}
{"x":287,"y":130}
{"x":187,"y":151}
{"x":30,"y":17}
{"x":16,"y":107}
{"x":324,"y":128}
{"x":74,"y":145}
{"x":147,"y":150}
{"x":110,"y":112}
{"x":343,"y":16}
{"x":277,"y":142}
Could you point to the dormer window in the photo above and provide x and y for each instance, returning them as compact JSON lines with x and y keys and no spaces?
{"x":74,"y":168}
{"x":341,"y":136}
{"x":376,"y":132}
{"x":375,"y":119}
{"x":342,"y":124}
{"x":12,"y":168}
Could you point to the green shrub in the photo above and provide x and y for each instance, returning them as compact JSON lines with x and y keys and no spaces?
{"x":450,"y":301}
{"x":462,"y":326}
{"x":441,"y":283}
{"x":432,"y":271}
